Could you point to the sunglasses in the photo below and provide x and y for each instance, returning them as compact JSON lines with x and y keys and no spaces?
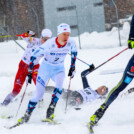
{"x":45,"y":38}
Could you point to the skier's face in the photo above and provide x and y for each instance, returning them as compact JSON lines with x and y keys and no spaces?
{"x":101,"y":90}
{"x":44,"y":39}
{"x":63,"y":37}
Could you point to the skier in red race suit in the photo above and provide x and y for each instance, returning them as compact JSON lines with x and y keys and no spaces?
{"x":33,"y":44}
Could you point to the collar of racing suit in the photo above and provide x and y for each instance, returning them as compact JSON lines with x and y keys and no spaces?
{"x":58,"y":44}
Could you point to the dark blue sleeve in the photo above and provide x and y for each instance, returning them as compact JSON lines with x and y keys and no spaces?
{"x":131,"y":34}
{"x":73,"y":58}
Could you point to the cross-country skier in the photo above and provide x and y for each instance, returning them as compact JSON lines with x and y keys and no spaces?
{"x":87,"y":94}
{"x":54,"y":52}
{"x":128,"y":75}
{"x":33,"y":43}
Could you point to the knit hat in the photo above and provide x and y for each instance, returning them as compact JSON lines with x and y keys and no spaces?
{"x":63,"y":27}
{"x":46,"y":33}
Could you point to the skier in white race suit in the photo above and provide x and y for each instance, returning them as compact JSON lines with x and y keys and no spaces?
{"x":54,"y":51}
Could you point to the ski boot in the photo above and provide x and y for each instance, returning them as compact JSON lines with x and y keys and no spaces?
{"x":22,"y":120}
{"x":50,"y":114}
{"x":96,"y":117}
{"x":50,"y":111}
{"x":7,"y":100}
{"x":25,"y":118}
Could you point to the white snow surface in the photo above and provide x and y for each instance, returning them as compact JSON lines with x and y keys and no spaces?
{"x":96,"y":48}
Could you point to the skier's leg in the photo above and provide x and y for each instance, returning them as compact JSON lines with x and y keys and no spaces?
{"x":18,"y":83}
{"x":59,"y":78}
{"x":35,"y":73}
{"x":126,"y":79}
{"x":38,"y":95}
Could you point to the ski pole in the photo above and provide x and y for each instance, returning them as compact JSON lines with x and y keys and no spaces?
{"x":17,"y":35}
{"x":129,"y":91}
{"x":109,"y":59}
{"x":22,"y":99}
{"x":81,"y":60}
{"x":10,"y":35}
{"x":68,"y":90}
{"x":5,"y":36}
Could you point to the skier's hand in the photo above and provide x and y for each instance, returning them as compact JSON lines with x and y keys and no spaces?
{"x":31,"y":33}
{"x":29,"y":77}
{"x":71,"y":72}
{"x":131,"y":43}
{"x":24,"y":35}
{"x":92,"y":67}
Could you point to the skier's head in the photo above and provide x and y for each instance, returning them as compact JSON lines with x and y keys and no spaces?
{"x":63,"y":32}
{"x":103,"y":90}
{"x":45,"y":35}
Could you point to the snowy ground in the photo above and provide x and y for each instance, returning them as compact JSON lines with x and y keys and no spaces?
{"x":119,"y":117}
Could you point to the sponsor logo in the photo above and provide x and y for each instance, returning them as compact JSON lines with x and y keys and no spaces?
{"x":41,"y":48}
{"x":128,"y":80}
{"x":59,"y":54}
{"x":39,"y":80}
{"x":132,"y":69}
{"x":36,"y":52}
{"x":63,"y":26}
{"x":132,"y":74}
{"x":18,"y":81}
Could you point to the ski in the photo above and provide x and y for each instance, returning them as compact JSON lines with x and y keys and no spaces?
{"x":17,"y":124}
{"x":7,"y":117}
{"x":49,"y":121}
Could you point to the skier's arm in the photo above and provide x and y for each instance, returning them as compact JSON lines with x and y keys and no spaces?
{"x":38,"y":52}
{"x":131,"y":34}
{"x":73,"y":60}
{"x":28,"y":36}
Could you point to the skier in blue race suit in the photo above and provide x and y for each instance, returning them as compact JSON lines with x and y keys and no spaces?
{"x":127,"y":77}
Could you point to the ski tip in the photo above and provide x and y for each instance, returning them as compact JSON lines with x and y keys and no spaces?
{"x":6,"y":117}
{"x":18,"y":124}
{"x":77,"y":108}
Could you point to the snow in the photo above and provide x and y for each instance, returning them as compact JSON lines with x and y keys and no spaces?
{"x":96,"y":48}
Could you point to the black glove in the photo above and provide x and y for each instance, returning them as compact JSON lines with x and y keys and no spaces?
{"x":31,"y":33}
{"x":71,"y":72}
{"x":92,"y":67}
{"x":29,"y":77}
